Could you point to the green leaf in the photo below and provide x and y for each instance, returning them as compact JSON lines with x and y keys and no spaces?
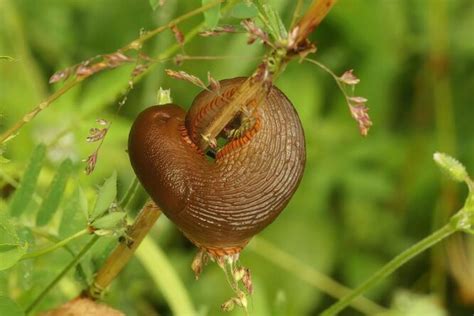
{"x":109,"y":221}
{"x":11,"y":248}
{"x":56,"y":190}
{"x":244,"y":11}
{"x":10,"y":254}
{"x":277,"y":27}
{"x":211,"y":16}
{"x":154,"y":4}
{"x":9,"y":308}
{"x":74,"y":215}
{"x":454,"y":168}
{"x":107,"y":194}
{"x":25,"y":190}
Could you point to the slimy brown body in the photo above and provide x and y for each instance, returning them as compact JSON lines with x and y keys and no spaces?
{"x":219,"y":205}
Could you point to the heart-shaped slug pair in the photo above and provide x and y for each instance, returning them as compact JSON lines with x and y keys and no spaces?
{"x":220,"y":204}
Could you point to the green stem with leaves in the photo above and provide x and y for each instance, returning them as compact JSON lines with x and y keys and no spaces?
{"x":56,"y":246}
{"x":71,"y":264}
{"x":462,"y":221}
{"x":391,"y":266}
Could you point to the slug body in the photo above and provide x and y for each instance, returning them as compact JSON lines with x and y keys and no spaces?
{"x":219,"y":205}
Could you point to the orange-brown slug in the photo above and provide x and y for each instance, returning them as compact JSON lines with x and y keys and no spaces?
{"x":219,"y":205}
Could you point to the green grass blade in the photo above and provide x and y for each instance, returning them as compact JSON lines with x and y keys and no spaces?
{"x":56,"y":190}
{"x":24,"y":193}
{"x":165,"y":277}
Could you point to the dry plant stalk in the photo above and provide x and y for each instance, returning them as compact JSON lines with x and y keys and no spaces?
{"x":125,"y":250}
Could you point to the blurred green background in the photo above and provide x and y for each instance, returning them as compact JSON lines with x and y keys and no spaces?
{"x":361,"y":201}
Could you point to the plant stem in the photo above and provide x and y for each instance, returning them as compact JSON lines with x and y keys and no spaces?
{"x":391,"y":266}
{"x":132,"y":189}
{"x":41,"y":106}
{"x":52,"y":248}
{"x":312,"y":18}
{"x":61,"y":274}
{"x":306,"y":273}
{"x":8,"y":134}
{"x":125,"y":250}
{"x":255,"y":88}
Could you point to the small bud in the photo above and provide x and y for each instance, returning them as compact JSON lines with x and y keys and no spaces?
{"x":254,"y":32}
{"x":139,"y":69}
{"x":349,"y":78}
{"x":228,"y":305}
{"x":182,"y":75}
{"x":200,"y":260}
{"x":357,"y":100}
{"x":247,"y":281}
{"x":164,"y":96}
{"x":61,"y":75}
{"x":96,"y":134}
{"x":453,"y":167}
{"x":102,"y":122}
{"x":90,"y":163}
{"x":238,"y":274}
{"x":219,"y":31}
{"x":178,"y":35}
{"x":242,"y":299}
{"x":116,"y":59}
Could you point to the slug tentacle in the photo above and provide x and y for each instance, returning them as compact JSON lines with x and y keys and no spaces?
{"x":219,"y":205}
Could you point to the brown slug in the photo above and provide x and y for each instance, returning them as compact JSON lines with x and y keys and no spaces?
{"x":219,"y":205}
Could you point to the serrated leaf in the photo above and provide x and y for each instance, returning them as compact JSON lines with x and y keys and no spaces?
{"x":9,"y":308}
{"x":25,"y":190}
{"x":107,"y":194}
{"x":244,"y":11}
{"x":211,"y":16}
{"x":56,"y":190}
{"x":109,"y":221}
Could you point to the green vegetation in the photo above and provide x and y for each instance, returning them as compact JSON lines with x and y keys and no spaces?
{"x":363,"y":201}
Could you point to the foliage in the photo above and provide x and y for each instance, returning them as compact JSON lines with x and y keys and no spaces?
{"x":361,"y":202}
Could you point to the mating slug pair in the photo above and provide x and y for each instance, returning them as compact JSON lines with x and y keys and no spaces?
{"x":219,"y":205}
